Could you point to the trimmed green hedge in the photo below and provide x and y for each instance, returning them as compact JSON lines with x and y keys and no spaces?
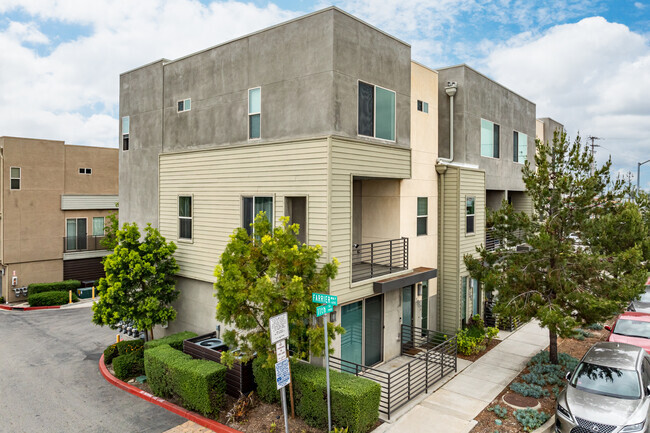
{"x":174,"y":340}
{"x":355,"y":400}
{"x":122,"y":348}
{"x":47,"y":299}
{"x":63,"y":286}
{"x":129,"y":365}
{"x":200,"y":384}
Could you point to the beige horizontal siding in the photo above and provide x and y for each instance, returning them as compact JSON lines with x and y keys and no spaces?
{"x":218,"y":178}
{"x":83,"y":202}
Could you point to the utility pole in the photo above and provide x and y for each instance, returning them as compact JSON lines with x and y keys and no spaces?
{"x":593,"y":145}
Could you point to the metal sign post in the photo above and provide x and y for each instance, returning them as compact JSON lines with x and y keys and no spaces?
{"x":283,"y":378}
{"x":324,"y":310}
{"x":279,"y":327}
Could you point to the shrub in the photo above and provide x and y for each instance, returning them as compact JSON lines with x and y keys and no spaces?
{"x":129,"y":365}
{"x":198,"y":383}
{"x":475,"y":337}
{"x":499,"y":411}
{"x":355,"y":400}
{"x":529,"y":390}
{"x":594,"y":326}
{"x":2,"y":300}
{"x":530,"y":419}
{"x":47,"y":299}
{"x":61,"y":286}
{"x":122,"y":348}
{"x":265,"y":380}
{"x":174,"y":340}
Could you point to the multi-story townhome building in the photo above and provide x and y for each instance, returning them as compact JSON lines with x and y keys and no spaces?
{"x":486,"y":133}
{"x":55,"y":198}
{"x":324,"y":119}
{"x":545,"y":127}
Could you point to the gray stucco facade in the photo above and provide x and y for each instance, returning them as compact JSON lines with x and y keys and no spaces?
{"x":479,"y":97}
{"x":308,"y":71}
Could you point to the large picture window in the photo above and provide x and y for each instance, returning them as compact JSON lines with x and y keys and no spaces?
{"x":489,"y":139}
{"x":185,"y":217}
{"x":519,"y":147}
{"x":254,"y":113}
{"x":251,"y":206}
{"x":469,"y":214}
{"x":376,"y":116}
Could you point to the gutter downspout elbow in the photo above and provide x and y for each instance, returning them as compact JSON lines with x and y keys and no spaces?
{"x":450,"y":89}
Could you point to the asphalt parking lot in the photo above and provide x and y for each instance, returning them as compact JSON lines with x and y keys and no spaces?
{"x":50,"y":381}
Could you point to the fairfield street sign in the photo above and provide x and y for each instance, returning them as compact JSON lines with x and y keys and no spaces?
{"x":324,"y":309}
{"x":321,"y":298}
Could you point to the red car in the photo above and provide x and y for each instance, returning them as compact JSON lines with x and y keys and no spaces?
{"x":631,"y":328}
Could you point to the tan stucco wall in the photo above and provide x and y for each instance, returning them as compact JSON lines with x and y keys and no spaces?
{"x":104,"y":164}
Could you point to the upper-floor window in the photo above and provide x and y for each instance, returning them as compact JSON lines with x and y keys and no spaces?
{"x":85,"y":171}
{"x":15,"y":178}
{"x":98,"y":226}
{"x":296,"y":209}
{"x":519,"y":146}
{"x":185,"y":217}
{"x":423,"y":211}
{"x":125,"y":133}
{"x":489,"y":139}
{"x":185,"y":105}
{"x":423,"y":106}
{"x":251,"y":206}
{"x":75,"y":238}
{"x":376,"y":112}
{"x":470,"y":211}
{"x":254,"y":113}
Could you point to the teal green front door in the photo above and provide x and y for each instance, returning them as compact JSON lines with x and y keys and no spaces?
{"x":351,"y":341}
{"x":373,"y":332}
{"x":407,"y":313}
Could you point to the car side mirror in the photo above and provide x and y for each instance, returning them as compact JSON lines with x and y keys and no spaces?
{"x":609,"y":328}
{"x":568,"y":376}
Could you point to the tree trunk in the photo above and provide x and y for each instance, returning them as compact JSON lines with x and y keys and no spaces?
{"x":552,"y":349}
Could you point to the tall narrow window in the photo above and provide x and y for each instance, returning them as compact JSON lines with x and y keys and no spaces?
{"x":423,"y":211}
{"x":76,"y":232}
{"x":98,"y":226}
{"x":463,"y":300}
{"x":296,"y":209}
{"x":185,"y":105}
{"x":125,"y":133}
{"x":251,"y":206}
{"x":254,"y":113}
{"x":376,"y":112}
{"x":15,"y":178}
{"x":185,"y":217}
{"x":489,"y":139}
{"x":469,"y":215}
{"x":519,"y":147}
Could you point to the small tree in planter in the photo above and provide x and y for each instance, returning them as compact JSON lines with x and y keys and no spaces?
{"x":265,"y":274}
{"x":139,"y":285}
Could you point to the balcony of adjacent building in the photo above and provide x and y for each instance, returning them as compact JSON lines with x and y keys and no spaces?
{"x":519,"y":200}
{"x":377,"y":247}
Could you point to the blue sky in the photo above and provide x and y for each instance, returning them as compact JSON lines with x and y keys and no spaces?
{"x":585,"y":63}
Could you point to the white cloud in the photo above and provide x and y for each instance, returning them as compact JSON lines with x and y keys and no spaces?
{"x":71,"y":93}
{"x":639,"y":5}
{"x":593,"y":76}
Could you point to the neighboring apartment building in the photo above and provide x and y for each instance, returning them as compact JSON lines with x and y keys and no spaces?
{"x":545,"y":129}
{"x":324,"y":119}
{"x":54,"y":200}
{"x":480,"y":166}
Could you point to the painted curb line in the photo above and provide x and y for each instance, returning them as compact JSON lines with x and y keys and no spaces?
{"x":548,"y":427}
{"x":10,"y":308}
{"x":194,"y":417}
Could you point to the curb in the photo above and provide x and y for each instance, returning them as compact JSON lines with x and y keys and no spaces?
{"x":10,"y":308}
{"x":194,"y":417}
{"x":548,"y":427}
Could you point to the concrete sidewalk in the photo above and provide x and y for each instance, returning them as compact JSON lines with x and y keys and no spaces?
{"x":453,"y":406}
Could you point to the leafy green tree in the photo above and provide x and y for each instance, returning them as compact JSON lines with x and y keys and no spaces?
{"x":572,"y":273}
{"x":139,"y":285}
{"x":266,"y":274}
{"x":110,"y":231}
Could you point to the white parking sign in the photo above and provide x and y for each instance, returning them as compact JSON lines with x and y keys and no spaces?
{"x":279,"y":327}
{"x":282,"y":376}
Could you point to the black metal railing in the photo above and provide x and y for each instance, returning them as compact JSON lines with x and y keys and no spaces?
{"x":434,"y":356}
{"x":490,"y":243}
{"x":505,"y":323}
{"x":82,"y":243}
{"x":375,"y":259}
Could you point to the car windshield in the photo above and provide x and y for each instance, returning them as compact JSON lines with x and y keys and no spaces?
{"x":632,"y":328}
{"x":610,"y":381}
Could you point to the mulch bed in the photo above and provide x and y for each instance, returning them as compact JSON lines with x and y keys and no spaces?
{"x":491,"y":345}
{"x":486,"y":419}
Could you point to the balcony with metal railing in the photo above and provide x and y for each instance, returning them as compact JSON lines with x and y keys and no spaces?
{"x":376,"y":259}
{"x":82,"y":243}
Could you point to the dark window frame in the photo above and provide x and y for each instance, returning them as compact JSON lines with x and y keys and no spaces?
{"x":470,"y":219}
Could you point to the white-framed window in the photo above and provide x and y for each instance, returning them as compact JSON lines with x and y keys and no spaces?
{"x":519,"y":147}
{"x":98,"y":226}
{"x":470,"y":212}
{"x":76,"y":234}
{"x":423,"y":212}
{"x":376,"y":112}
{"x":489,"y":139}
{"x":254,"y":113}
{"x":253,"y":205}
{"x":125,"y":132}
{"x":423,"y":106}
{"x":185,"y":105}
{"x":185,"y":217}
{"x":85,"y":170}
{"x":14,"y":175}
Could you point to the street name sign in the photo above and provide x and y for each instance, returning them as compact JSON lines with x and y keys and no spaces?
{"x":321,"y":298}
{"x":279,"y":326}
{"x":324,"y":309}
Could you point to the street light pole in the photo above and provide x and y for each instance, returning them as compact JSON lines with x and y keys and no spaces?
{"x":638,"y":173}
